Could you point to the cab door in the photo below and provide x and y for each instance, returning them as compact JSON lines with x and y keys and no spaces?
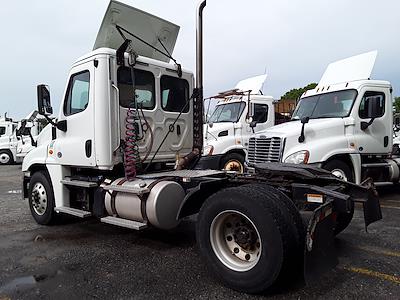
{"x":376,"y":139}
{"x":75,"y":145}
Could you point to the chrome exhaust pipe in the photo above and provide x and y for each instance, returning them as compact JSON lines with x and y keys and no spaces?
{"x":199,"y":45}
{"x":198,"y":111}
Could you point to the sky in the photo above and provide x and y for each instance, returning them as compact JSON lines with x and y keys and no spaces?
{"x":293,"y":41}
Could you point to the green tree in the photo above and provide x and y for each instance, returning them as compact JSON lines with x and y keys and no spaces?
{"x":396,"y":104}
{"x":295,"y":94}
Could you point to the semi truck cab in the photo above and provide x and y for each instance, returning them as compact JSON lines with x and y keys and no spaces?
{"x":239,"y":114}
{"x":344,"y":125}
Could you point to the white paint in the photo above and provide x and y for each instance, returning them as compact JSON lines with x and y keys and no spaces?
{"x":357,"y":67}
{"x":253,"y":84}
{"x":144,"y":25}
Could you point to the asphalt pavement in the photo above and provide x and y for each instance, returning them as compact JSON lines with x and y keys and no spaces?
{"x":87,"y":259}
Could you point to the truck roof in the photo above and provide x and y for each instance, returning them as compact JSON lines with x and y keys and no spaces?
{"x":142,"y":59}
{"x":352,"y":85}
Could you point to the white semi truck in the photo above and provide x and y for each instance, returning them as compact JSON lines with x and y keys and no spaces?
{"x":228,"y":129}
{"x":128,"y":115}
{"x":15,"y":141}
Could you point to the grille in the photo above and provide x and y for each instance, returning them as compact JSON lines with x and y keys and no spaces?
{"x":262,"y":150}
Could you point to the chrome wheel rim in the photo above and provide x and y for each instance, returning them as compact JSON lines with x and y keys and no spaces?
{"x":39,"y":199}
{"x":235,"y":241}
{"x":4,"y":158}
{"x":234,"y":165}
{"x":339,"y":174}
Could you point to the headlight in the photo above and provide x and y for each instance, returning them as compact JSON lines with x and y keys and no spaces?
{"x":208,"y":150}
{"x":300,"y":157}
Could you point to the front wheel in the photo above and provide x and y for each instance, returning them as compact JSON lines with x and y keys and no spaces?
{"x":233,"y":162}
{"x":247,"y":238}
{"x":41,"y":198}
{"x":342,"y":171}
{"x":6,"y":157}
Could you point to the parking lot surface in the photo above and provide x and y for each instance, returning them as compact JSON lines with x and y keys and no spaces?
{"x":87,"y":259}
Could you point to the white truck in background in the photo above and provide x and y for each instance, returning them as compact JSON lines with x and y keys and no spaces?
{"x":344,"y":125}
{"x":18,"y":138}
{"x":228,"y":129}
{"x":127,"y":115}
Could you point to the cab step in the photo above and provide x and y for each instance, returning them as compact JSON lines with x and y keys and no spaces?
{"x":73,"y":212}
{"x":79,"y":183}
{"x":124,"y":223}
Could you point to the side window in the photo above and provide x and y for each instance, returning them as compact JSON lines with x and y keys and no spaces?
{"x":260,"y":113}
{"x":174,"y":94}
{"x":77,"y":98}
{"x":144,"y":85}
{"x":367,"y":106}
{"x":2,"y":131}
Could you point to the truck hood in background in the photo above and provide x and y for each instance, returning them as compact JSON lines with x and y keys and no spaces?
{"x":215,"y":130}
{"x":312,"y":129}
{"x":316,"y":131}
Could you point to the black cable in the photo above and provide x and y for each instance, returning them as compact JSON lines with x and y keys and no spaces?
{"x":169,"y":131}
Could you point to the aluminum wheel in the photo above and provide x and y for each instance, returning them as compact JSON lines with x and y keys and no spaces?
{"x":39,"y":199}
{"x":4,"y":158}
{"x":235,"y":240}
{"x":340,"y":174}
{"x":234,"y":165}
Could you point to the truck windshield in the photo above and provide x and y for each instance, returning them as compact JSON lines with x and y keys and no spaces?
{"x":229,"y":112}
{"x":331,"y":105}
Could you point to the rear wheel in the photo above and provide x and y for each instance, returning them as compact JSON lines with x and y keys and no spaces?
{"x":6,"y":157}
{"x":41,"y":198}
{"x":247,"y":238}
{"x":233,"y":162}
{"x":341,"y":170}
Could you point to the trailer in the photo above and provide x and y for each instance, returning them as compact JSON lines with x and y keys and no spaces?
{"x":125,"y":146}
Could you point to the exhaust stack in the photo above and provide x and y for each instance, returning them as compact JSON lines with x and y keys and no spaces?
{"x":198,"y":102}
{"x":198,"y":111}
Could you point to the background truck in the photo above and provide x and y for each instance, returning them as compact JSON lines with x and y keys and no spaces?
{"x":228,"y":129}
{"x":16,"y":142}
{"x":127,"y":115}
{"x":344,"y":125}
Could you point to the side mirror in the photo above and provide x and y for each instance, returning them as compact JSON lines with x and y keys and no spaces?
{"x":253,"y":124}
{"x":44,"y":103}
{"x":374,"y":111}
{"x":375,"y":107}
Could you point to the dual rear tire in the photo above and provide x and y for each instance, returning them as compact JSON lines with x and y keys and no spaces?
{"x":251,"y":236}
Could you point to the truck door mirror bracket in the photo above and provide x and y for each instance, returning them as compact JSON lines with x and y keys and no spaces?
{"x":304,"y":121}
{"x":365,"y":125}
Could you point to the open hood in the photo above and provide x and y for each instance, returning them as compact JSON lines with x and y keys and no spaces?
{"x":144,"y":25}
{"x":350,"y":69}
{"x":254,"y":84}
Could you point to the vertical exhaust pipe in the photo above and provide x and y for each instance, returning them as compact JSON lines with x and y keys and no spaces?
{"x":198,"y":111}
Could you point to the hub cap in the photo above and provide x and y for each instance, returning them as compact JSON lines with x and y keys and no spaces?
{"x":234,"y":165}
{"x":340,"y":174}
{"x":235,"y":241}
{"x":39,"y":199}
{"x":4,"y":158}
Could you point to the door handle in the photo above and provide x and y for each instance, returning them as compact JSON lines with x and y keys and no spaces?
{"x":88,"y":148}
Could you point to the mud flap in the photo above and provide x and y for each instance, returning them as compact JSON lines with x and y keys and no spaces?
{"x":372,"y":207}
{"x":319,"y":254}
